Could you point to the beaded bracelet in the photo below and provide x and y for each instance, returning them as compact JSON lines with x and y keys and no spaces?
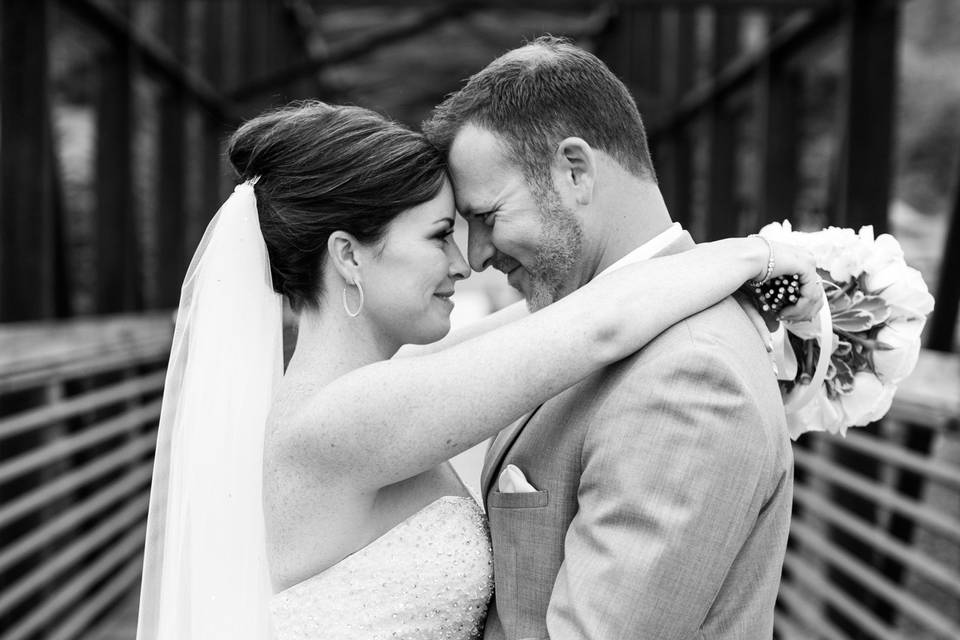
{"x":770,"y":262}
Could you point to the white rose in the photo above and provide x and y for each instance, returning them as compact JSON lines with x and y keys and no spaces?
{"x":882,"y":274}
{"x":883,"y":402}
{"x":868,"y":400}
{"x":845,"y":265}
{"x":820,"y":414}
{"x":885,"y":252}
{"x":840,"y":251}
{"x":907,"y":294}
{"x":893,"y":365}
{"x":778,"y":232}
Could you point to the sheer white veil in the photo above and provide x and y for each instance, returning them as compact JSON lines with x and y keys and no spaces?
{"x":205,"y":572}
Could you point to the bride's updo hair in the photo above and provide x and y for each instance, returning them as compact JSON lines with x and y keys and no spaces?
{"x":325,"y":168}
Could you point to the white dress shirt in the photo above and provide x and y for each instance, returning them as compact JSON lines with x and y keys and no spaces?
{"x":648,"y":249}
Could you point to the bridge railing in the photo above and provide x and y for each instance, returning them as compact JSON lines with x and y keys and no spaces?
{"x":875,"y":541}
{"x":874,"y":547}
{"x":79,"y":406}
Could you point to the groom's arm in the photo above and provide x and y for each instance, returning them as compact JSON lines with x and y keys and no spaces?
{"x":670,"y":488}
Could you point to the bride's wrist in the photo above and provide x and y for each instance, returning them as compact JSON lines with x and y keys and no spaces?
{"x":749,"y":257}
{"x":761,"y":258}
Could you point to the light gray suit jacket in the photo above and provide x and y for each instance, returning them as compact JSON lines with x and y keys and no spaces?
{"x":665,"y":484}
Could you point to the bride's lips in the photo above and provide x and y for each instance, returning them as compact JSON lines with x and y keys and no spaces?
{"x":445,"y":297}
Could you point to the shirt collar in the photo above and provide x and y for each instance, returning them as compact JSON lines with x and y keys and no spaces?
{"x":648,"y":249}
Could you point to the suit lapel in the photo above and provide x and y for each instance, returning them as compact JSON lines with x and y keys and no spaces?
{"x":505,"y":439}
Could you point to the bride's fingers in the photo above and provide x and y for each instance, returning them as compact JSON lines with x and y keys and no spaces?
{"x":789,"y":260}
{"x":811,"y":299}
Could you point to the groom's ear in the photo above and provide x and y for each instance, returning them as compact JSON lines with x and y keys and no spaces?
{"x":577,"y":164}
{"x":342,"y":248}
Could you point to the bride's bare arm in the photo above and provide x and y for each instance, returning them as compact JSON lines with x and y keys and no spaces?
{"x":393,"y":419}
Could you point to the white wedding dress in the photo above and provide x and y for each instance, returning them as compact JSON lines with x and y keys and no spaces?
{"x":206,"y":573}
{"x":430,"y":578}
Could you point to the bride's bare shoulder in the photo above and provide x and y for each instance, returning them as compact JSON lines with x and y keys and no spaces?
{"x":297,"y":426}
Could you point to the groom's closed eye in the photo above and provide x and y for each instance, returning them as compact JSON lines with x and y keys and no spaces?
{"x":480,"y":216}
{"x":486,"y":217}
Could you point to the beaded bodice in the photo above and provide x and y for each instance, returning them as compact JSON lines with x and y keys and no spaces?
{"x":429,"y":578}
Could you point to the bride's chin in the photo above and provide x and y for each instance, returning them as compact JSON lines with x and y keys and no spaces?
{"x":431,"y":336}
{"x":441,"y":332}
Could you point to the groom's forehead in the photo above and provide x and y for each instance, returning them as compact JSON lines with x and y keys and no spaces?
{"x":474,"y":144}
{"x":469,"y":201}
{"x":479,"y":193}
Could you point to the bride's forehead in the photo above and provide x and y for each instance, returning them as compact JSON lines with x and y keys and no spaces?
{"x":437,"y":210}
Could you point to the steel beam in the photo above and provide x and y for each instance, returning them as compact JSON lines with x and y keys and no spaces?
{"x":155,"y":57}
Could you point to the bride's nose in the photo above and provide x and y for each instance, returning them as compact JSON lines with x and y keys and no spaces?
{"x":459,"y":269}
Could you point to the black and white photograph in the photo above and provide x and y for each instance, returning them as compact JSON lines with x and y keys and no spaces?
{"x":479,"y":319}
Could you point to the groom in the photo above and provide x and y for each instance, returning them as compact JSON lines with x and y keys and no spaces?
{"x":651,"y":500}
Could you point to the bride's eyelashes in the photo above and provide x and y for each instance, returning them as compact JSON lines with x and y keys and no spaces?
{"x":444,"y":234}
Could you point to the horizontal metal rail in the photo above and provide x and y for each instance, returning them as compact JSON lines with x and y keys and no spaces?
{"x":76,"y":515}
{"x":807,"y":614}
{"x":135,"y":512}
{"x":126,"y":422}
{"x":820,"y":546}
{"x":126,"y":553}
{"x":76,"y":479}
{"x":97,"y":399}
{"x":86,"y":612}
{"x":66,"y":561}
{"x":893,"y":454}
{"x":800,"y":569}
{"x":922,"y":514}
{"x":877,"y":538}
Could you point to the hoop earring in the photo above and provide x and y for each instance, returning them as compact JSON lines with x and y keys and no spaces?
{"x":346,"y":306}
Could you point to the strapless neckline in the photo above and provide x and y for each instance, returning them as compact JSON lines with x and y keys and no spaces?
{"x":377,"y":540}
{"x":428,"y":577}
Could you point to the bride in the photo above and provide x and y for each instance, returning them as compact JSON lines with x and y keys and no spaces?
{"x":318,"y":502}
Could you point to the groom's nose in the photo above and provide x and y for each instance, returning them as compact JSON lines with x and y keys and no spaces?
{"x":480,"y":249}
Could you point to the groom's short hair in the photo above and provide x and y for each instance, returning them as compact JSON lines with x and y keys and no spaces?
{"x":539,"y":94}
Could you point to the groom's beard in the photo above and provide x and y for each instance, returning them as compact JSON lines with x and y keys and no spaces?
{"x":561,"y":246}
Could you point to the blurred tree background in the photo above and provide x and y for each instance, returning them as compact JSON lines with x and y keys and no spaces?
{"x":928,"y":130}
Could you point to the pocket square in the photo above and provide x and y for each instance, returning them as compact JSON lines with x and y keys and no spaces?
{"x":512,"y":480}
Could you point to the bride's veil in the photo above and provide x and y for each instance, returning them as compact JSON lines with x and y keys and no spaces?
{"x":205,"y":572}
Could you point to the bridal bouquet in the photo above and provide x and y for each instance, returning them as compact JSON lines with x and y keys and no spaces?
{"x":877,"y":308}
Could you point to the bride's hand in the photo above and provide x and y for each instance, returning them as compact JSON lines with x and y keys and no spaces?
{"x":789,"y":260}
